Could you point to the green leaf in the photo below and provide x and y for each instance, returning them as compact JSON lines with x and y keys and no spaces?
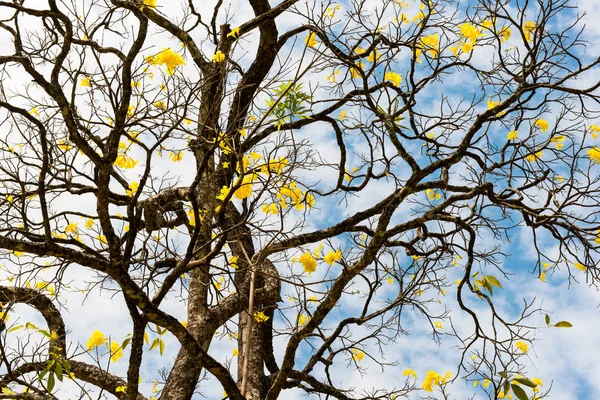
{"x":547,"y":319}
{"x":125,"y":343}
{"x":563,"y":324}
{"x":506,"y":387}
{"x":526,"y":382}
{"x":519,"y":392}
{"x":50,"y":382}
{"x":67,"y":366}
{"x":29,"y":325}
{"x":42,"y":375}
{"x":154,"y":343}
{"x":59,"y":371}
{"x":503,"y":374}
{"x":15,"y":328}
{"x":45,"y":333}
{"x":162,"y":346}
{"x":494,"y":281}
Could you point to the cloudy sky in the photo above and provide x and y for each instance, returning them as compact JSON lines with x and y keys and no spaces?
{"x":565,"y":359}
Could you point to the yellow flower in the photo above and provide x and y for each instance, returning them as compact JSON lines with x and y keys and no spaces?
{"x":438,"y":325}
{"x":534,"y":156}
{"x":223,"y":194}
{"x":393,"y":77}
{"x":342,"y":115}
{"x":235,"y":33}
{"x":410,"y":372}
{"x":522,"y":346}
{"x":309,"y":263}
{"x":594,"y":154}
{"x":333,"y":256}
{"x":433,"y":194}
{"x":432,"y":379}
{"x":491,"y":104}
{"x":330,"y":12}
{"x":169,"y":58}
{"x":558,"y":140}
{"x":17,"y":253}
{"x":125,"y":162}
{"x":133,"y":187}
{"x":311,"y":40}
{"x":373,"y":56}
{"x":431,"y":44}
{"x":116,"y":351}
{"x":469,"y":31}
{"x":245,"y":190}
{"x":543,"y":276}
{"x":122,"y":389}
{"x":218,"y":56}
{"x":403,"y":19}
{"x":10,"y":198}
{"x":275,"y":166}
{"x":504,"y":34}
{"x":96,"y":340}
{"x":72,"y":228}
{"x":542,"y":124}
{"x":595,"y":129}
{"x":235,"y":352}
{"x":89,"y":223}
{"x":259,"y":316}
{"x":355,"y":71}
{"x":85,"y":82}
{"x":512,"y":135}
{"x":270,"y":208}
{"x":302,"y":320}
{"x":357,"y":355}
{"x":580,"y":267}
{"x":34,"y":111}
{"x":176,"y":156}
{"x":528,"y":29}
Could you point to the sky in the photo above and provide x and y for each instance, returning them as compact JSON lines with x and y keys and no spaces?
{"x":565,"y":359}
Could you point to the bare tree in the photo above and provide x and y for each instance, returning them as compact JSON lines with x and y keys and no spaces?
{"x":263,"y":176}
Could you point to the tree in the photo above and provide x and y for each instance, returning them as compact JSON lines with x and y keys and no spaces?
{"x":180,"y":156}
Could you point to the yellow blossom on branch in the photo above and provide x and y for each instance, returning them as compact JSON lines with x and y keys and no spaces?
{"x":116,"y":351}
{"x":235,"y":33}
{"x":259,"y":316}
{"x":410,"y":372}
{"x":470,"y":31}
{"x":542,"y":124}
{"x":393,"y":77}
{"x":522,"y":346}
{"x":218,"y":56}
{"x":311,"y":40}
{"x":333,"y":256}
{"x":528,"y":29}
{"x":309,"y":263}
{"x":357,"y":355}
{"x":169,"y":58}
{"x":594,"y":154}
{"x":96,"y":340}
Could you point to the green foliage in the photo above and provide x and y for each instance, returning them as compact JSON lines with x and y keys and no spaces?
{"x":288,"y":104}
